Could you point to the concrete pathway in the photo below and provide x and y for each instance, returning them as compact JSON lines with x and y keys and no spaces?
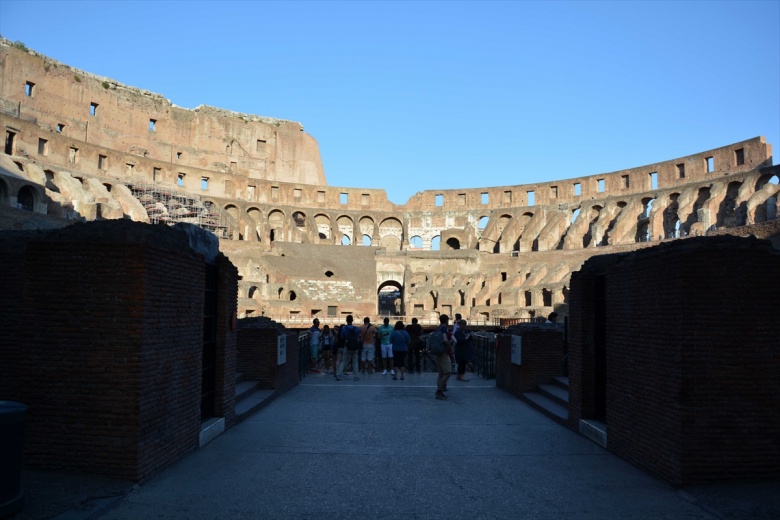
{"x":378,"y":448}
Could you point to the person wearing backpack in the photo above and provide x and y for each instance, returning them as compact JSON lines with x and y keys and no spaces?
{"x":350,"y":336}
{"x":440,"y":345}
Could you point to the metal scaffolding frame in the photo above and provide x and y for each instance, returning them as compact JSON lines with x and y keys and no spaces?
{"x":170,"y":206}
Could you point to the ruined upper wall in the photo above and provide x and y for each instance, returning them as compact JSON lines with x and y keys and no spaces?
{"x":90,"y":109}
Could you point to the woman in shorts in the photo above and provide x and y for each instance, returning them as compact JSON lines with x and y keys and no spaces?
{"x":400,"y":340}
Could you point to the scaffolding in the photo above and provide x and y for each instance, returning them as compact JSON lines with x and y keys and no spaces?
{"x":170,"y":206}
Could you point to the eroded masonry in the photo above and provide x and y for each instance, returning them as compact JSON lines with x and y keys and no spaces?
{"x":80,"y":146}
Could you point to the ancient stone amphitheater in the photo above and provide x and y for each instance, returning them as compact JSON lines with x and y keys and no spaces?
{"x":83,"y":147}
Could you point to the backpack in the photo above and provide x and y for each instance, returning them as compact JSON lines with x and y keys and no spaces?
{"x":353,"y":339}
{"x":435,"y":343}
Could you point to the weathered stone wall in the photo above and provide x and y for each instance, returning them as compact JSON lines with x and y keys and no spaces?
{"x":691,"y":345}
{"x":503,"y":251}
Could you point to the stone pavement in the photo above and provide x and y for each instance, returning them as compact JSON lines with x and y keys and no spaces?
{"x":378,"y":448}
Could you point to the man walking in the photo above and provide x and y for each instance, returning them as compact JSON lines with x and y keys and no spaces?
{"x":443,"y":361}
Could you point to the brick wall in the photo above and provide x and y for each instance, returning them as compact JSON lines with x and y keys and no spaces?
{"x":257,"y":354}
{"x":109,"y":346}
{"x":542,"y":360}
{"x":692,"y":358}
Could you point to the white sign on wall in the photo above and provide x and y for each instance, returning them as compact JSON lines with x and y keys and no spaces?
{"x":281,"y":349}
{"x":517,"y":350}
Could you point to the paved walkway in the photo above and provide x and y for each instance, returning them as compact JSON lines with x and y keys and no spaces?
{"x":378,"y":448}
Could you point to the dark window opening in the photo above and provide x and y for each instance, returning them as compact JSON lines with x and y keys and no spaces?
{"x":681,"y":171}
{"x":29,"y":88}
{"x":60,"y":128}
{"x":328,"y":273}
{"x":739,"y":156}
{"x":152,"y":123}
{"x":10,"y":140}
{"x":43,"y":146}
{"x":710,"y":164}
{"x":93,"y":109}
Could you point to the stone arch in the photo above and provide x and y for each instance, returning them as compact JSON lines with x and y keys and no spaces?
{"x":453,"y":243}
{"x":366,"y":227}
{"x":398,"y":306}
{"x":26,"y":198}
{"x":346,"y":227}
{"x":253,"y":293}
{"x":436,"y":243}
{"x":592,"y":217}
{"x":391,"y":234}
{"x":727,"y":212}
{"x":671,"y":220}
{"x":256,"y":216}
{"x":276,"y":225}
{"x":697,"y":212}
{"x":415,"y":242}
{"x":322,"y":222}
{"x":299,"y":219}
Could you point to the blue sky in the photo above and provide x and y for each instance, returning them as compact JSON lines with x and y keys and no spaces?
{"x":409,"y":96}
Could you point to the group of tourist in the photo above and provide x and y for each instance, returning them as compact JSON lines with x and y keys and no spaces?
{"x":396,"y":350}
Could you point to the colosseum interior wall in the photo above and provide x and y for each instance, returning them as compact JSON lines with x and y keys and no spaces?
{"x":80,"y":146}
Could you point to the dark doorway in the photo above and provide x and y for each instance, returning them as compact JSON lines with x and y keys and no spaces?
{"x":10,"y":138}
{"x":209,"y":366}
{"x":600,"y":348}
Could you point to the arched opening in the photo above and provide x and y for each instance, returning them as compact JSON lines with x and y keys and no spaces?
{"x":436,"y":243}
{"x":292,"y":296}
{"x":345,"y":241}
{"x":390,"y":299}
{"x":279,"y":293}
{"x":25,"y":199}
{"x":415,"y":243}
{"x":453,"y":243}
{"x":300,"y":219}
{"x":366,"y":240}
{"x":252,"y":292}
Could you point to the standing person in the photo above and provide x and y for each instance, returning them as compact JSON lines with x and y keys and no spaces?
{"x":552,"y":318}
{"x":327,"y":348}
{"x":443,"y":361}
{"x":387,"y":348}
{"x":314,"y":345}
{"x":349,"y":335}
{"x":414,"y":330}
{"x":337,"y":344}
{"x":463,"y":349}
{"x":367,"y":333}
{"x":400,"y":340}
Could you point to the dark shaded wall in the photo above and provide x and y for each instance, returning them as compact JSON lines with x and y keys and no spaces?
{"x":257,"y":354}
{"x":692,"y":357}
{"x":107,"y":345}
{"x":542,"y":359}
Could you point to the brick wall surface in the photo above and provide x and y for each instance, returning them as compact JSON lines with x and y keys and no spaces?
{"x":109,"y":346}
{"x":542,"y":360}
{"x":257,"y":354}
{"x":692,"y":358}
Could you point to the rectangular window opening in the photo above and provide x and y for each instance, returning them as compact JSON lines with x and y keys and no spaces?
{"x":625,"y":181}
{"x":601,"y":184}
{"x":439,"y":200}
{"x":152,"y":123}
{"x":681,"y":171}
{"x":178,"y":155}
{"x":274,"y":192}
{"x":73,"y":155}
{"x":461,"y":199}
{"x":654,"y":180}
{"x":577,"y":189}
{"x":507,"y":197}
{"x":93,"y":109}
{"x":260,"y":146}
{"x":204,"y":183}
{"x":485,"y":198}
{"x":553,"y":192}
{"x":503,"y":276}
{"x":531,"y":198}
{"x":343,"y":198}
{"x":60,"y":128}
{"x":180,"y":179}
{"x":297,"y":193}
{"x":250,"y":192}
{"x":320,"y":196}
{"x":332,"y":310}
{"x":365,"y":199}
{"x":710,"y":164}
{"x":129,"y":168}
{"x":29,"y":88}
{"x":102,"y":162}
{"x":233,"y":166}
{"x":739,"y":156}
{"x":156,"y":174}
{"x":43,"y":146}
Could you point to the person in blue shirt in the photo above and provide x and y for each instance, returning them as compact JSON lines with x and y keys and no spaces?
{"x":400,"y":340}
{"x":345,"y":333}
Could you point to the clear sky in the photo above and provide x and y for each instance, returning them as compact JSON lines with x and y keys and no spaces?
{"x":409,"y":96}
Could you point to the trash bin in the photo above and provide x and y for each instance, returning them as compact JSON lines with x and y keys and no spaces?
{"x":12,"y":417}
